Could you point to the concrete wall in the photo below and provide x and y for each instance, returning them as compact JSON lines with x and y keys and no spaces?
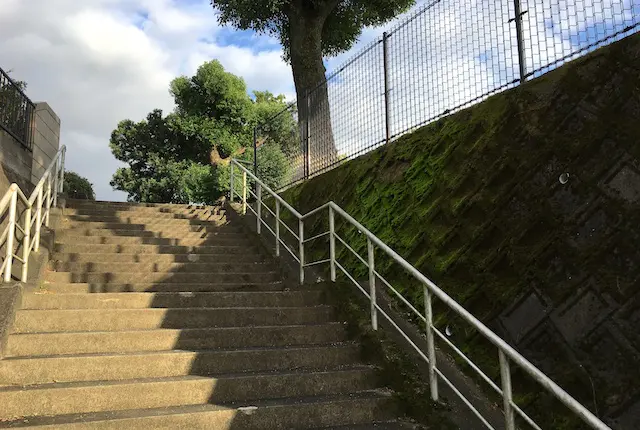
{"x":15,"y":163}
{"x":24,"y":167}
{"x":475,"y":201}
{"x":46,"y":140}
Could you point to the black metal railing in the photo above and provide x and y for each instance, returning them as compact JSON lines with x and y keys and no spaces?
{"x":448,"y":55}
{"x":16,"y":111}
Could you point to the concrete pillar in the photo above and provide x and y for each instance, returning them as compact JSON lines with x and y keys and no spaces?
{"x":46,"y":139}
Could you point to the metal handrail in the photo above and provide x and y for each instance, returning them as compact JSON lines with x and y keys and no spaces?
{"x":506,"y":354}
{"x":43,"y":197}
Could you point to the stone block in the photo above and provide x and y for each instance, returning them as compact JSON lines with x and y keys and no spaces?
{"x":579,"y":315}
{"x":524,"y":316}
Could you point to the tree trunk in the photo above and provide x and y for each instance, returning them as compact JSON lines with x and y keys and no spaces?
{"x":309,"y":78}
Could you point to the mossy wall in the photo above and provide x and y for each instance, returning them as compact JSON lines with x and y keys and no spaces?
{"x":474,"y":201}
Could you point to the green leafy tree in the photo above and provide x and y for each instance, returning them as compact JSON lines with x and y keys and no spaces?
{"x":308,"y":31}
{"x":77,"y":187}
{"x":183,"y":157}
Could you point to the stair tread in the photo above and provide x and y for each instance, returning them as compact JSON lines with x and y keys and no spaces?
{"x":178,"y":330}
{"x":351,"y":368}
{"x":346,"y":344}
{"x":170,"y":293}
{"x":193,"y":409}
{"x":161,"y":310}
{"x":125,"y":284}
{"x":167,"y":272}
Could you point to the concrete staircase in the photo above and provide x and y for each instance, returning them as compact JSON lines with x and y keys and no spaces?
{"x":168,"y":316}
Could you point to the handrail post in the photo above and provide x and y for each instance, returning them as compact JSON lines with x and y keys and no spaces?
{"x":244,"y":192}
{"x":507,"y":395}
{"x":332,"y":243}
{"x":61,"y":183}
{"x":277,"y":228}
{"x":259,"y":208}
{"x":11,"y":235}
{"x":431,"y":347}
{"x":372,"y":284}
{"x":55,"y":183}
{"x":26,"y":244}
{"x":301,"y":249}
{"x":36,"y":247}
{"x":47,"y":212}
{"x":231,"y":174}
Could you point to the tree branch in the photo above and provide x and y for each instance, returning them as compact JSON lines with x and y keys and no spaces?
{"x":327,"y":6}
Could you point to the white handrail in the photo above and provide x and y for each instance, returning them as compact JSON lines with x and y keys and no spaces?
{"x":43,"y":193}
{"x":506,"y":353}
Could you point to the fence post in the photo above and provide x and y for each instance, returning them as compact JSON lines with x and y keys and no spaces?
{"x":301,"y":249}
{"x":307,"y":138}
{"x":332,"y":243}
{"x":431,"y":347}
{"x":244,"y":192}
{"x":231,"y":175}
{"x":11,"y":233}
{"x":520,"y":39}
{"x":259,"y":207}
{"x":255,"y":151}
{"x":277,"y":228}
{"x":27,"y":127}
{"x":26,"y":242}
{"x":387,"y":101}
{"x":372,"y":284}
{"x":507,"y":395}
{"x":36,"y":246}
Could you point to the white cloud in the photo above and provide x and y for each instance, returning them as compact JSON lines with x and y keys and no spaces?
{"x":97,"y":62}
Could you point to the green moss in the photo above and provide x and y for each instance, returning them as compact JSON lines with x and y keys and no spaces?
{"x":396,"y":370}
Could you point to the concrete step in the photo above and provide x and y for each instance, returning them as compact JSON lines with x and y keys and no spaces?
{"x":296,"y":413}
{"x":43,"y":321}
{"x":168,"y":268}
{"x":386,"y":425}
{"x":69,"y":398}
{"x":172,"y":233}
{"x":83,"y":248}
{"x":162,"y":364}
{"x":84,"y":287}
{"x":164,"y":278}
{"x":69,"y":343}
{"x":105,"y":205}
{"x":195,"y":239}
{"x":202,"y":214}
{"x":83,"y":258}
{"x":41,"y":300}
{"x":138,"y":223}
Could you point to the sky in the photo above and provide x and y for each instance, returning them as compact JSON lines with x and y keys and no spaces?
{"x":97,"y":62}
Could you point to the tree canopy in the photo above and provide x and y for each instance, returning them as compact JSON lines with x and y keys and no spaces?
{"x":77,"y":187}
{"x":309,"y":29}
{"x":183,"y":157}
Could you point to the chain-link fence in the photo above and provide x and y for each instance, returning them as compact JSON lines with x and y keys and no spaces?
{"x":447,"y":56}
{"x":16,"y":111}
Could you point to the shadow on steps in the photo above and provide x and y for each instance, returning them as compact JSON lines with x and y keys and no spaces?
{"x":209,"y":335}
